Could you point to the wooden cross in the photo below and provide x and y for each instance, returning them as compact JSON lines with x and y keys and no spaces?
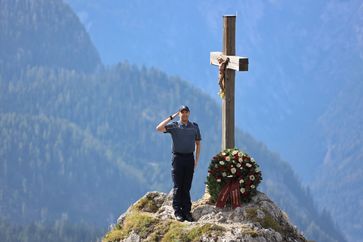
{"x":235,"y":63}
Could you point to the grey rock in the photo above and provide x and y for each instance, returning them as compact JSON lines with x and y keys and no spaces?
{"x":260,"y":220}
{"x":133,"y":237}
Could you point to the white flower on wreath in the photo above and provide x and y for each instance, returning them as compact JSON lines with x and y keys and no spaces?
{"x":240,"y":159}
{"x":224,"y":174}
{"x":257,"y":169}
{"x":238,"y":165}
{"x":242,"y":190}
{"x":223,"y":153}
{"x":221,"y":162}
{"x":241,"y":181}
{"x":248,"y":164}
{"x":233,"y":170}
{"x":253,"y":186}
{"x":252,"y":177}
{"x":239,"y":153}
{"x":234,"y":152}
{"x":218,"y":180}
{"x":228,"y":158}
{"x":216,"y":165}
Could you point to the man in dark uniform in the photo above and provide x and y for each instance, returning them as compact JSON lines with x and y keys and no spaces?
{"x":186,"y":139}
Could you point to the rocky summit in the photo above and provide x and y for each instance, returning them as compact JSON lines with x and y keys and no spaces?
{"x":151,"y":218}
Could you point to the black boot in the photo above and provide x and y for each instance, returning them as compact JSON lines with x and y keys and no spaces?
{"x":188,"y":217}
{"x":179,"y":216}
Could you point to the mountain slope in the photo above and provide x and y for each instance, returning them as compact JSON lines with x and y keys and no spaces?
{"x":60,"y":230}
{"x":339,"y":186}
{"x":43,"y":33}
{"x":51,"y":168}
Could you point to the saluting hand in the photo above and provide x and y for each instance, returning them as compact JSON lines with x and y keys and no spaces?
{"x":176,"y":114}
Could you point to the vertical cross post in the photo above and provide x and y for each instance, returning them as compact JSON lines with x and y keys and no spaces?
{"x":229,"y":49}
{"x":234,"y":63}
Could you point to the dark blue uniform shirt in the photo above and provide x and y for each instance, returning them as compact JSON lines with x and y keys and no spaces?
{"x":183,"y":135}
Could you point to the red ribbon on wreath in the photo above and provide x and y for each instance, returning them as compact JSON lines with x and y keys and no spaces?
{"x":229,"y":190}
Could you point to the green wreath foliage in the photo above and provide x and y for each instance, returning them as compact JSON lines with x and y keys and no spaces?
{"x":232,"y":164}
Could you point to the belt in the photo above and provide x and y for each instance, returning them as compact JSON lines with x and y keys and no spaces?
{"x":183,"y":154}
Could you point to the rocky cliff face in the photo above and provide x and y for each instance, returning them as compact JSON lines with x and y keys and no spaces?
{"x":151,"y":219}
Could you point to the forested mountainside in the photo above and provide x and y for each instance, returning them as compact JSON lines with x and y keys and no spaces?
{"x":61,"y":230}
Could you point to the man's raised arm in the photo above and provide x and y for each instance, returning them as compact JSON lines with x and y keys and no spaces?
{"x":161,"y":125}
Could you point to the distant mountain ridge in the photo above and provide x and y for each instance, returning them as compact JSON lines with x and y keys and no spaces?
{"x":43,"y":33}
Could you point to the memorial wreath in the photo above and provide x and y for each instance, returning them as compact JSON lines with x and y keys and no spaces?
{"x":233,"y":176}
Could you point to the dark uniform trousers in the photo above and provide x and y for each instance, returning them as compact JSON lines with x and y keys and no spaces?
{"x":182,"y":174}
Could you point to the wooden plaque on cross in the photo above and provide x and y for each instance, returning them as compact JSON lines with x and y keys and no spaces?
{"x":232,"y":63}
